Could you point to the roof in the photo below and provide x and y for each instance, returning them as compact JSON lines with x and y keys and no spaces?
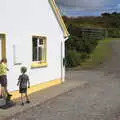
{"x":59,"y":17}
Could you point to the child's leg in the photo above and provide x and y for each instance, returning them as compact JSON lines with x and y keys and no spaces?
{"x":8,"y":96}
{"x":3,"y":92}
{"x":7,"y":92}
{"x":4,"y":84}
{"x":22,"y":99}
{"x":27,"y":99}
{"x":0,"y":91}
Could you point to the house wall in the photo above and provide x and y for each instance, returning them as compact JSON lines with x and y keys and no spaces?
{"x":20,"y":19}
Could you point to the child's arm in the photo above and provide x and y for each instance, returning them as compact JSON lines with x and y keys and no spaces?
{"x":6,"y":67}
{"x":19,"y":80}
{"x":28,"y":83}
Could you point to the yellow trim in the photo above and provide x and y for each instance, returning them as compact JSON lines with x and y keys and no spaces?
{"x":44,"y":62}
{"x":37,"y":87}
{"x":3,"y":45}
{"x":38,"y":64}
{"x":37,"y":35}
{"x":45,"y":43}
{"x":59,"y":17}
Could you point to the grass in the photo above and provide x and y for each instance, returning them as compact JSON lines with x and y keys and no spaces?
{"x":102,"y":52}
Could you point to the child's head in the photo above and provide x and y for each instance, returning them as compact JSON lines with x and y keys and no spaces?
{"x":23,"y":69}
{"x":4,"y":60}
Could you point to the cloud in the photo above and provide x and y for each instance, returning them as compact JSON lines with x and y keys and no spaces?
{"x":87,"y":7}
{"x":81,"y":4}
{"x":118,"y":6}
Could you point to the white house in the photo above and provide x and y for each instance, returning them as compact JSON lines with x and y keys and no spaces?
{"x":32,"y":34}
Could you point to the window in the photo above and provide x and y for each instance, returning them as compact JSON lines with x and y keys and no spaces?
{"x":38,"y":51}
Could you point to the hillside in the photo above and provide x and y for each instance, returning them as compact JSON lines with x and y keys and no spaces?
{"x":109,"y":21}
{"x":85,"y":34}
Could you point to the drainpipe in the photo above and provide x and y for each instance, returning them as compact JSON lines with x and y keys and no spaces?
{"x":63,"y":59}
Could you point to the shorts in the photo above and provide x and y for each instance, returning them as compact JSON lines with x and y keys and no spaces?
{"x":3,"y":80}
{"x":23,"y":90}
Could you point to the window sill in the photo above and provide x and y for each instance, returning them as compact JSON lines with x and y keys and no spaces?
{"x":39,"y":65}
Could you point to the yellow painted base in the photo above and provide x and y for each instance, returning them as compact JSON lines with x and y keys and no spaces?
{"x":37,"y":87}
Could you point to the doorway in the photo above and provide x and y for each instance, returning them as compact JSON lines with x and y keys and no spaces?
{"x":2,"y":49}
{"x":2,"y":46}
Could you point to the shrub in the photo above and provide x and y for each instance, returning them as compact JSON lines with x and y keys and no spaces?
{"x":81,"y":43}
{"x":72,"y":58}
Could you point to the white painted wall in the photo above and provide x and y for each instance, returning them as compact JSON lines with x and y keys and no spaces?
{"x":20,"y":19}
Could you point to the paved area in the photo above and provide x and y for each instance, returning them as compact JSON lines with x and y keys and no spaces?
{"x":99,"y":100}
{"x":41,"y":97}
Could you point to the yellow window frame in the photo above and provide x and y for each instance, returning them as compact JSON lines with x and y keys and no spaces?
{"x":3,"y":45}
{"x":42,"y":63}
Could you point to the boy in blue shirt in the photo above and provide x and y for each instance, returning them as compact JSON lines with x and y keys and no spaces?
{"x":23,"y":83}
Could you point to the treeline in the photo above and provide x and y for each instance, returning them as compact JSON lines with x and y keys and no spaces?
{"x":110,"y":21}
{"x":81,"y":43}
{"x":85,"y":32}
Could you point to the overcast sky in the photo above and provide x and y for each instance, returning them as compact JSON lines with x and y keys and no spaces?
{"x":88,"y":7}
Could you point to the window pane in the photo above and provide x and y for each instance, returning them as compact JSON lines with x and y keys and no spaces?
{"x":39,"y":49}
{"x":34,"y":53}
{"x":39,"y":53}
{"x":43,"y":54}
{"x":34,"y":41}
{"x":40,"y":41}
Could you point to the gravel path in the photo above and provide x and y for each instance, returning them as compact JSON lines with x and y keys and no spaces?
{"x":99,"y":101}
{"x":112,"y":66}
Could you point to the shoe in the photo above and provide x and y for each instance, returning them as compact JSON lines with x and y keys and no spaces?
{"x":1,"y":96}
{"x":22,"y":104}
{"x":8,"y":98}
{"x":9,"y":95}
{"x":28,"y":101}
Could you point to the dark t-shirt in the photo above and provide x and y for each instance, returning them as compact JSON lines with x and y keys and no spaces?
{"x":23,"y":81}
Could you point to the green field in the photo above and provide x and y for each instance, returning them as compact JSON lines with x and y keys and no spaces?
{"x":102,"y":52}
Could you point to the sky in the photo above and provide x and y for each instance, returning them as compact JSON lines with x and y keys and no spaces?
{"x":87,"y":7}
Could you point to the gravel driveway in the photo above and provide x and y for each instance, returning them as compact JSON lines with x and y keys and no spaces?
{"x":99,"y":101}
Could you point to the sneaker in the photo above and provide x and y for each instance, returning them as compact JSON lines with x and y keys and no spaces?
{"x":1,"y":96}
{"x":28,"y":101}
{"x":9,"y":95}
{"x":8,"y":98}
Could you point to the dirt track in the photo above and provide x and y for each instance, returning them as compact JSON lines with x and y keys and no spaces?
{"x":112,"y":66}
{"x":99,"y":101}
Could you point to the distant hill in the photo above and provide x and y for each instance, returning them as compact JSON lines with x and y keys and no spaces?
{"x":110,"y":21}
{"x":85,"y":33}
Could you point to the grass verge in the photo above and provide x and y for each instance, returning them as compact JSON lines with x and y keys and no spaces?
{"x":102,"y":52}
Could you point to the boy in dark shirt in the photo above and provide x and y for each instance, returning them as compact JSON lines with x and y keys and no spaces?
{"x":23,"y":83}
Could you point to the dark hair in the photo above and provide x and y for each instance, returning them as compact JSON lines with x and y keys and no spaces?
{"x":23,"y":69}
{"x":4,"y":60}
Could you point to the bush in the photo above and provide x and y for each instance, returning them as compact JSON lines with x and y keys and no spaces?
{"x":83,"y":56}
{"x":81,"y":43}
{"x":114,"y":32}
{"x":72,"y":58}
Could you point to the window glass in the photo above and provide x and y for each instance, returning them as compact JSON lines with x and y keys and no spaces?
{"x":34,"y":53}
{"x":40,"y":54}
{"x":39,"y":49}
{"x":40,"y":41}
{"x":34,"y":42}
